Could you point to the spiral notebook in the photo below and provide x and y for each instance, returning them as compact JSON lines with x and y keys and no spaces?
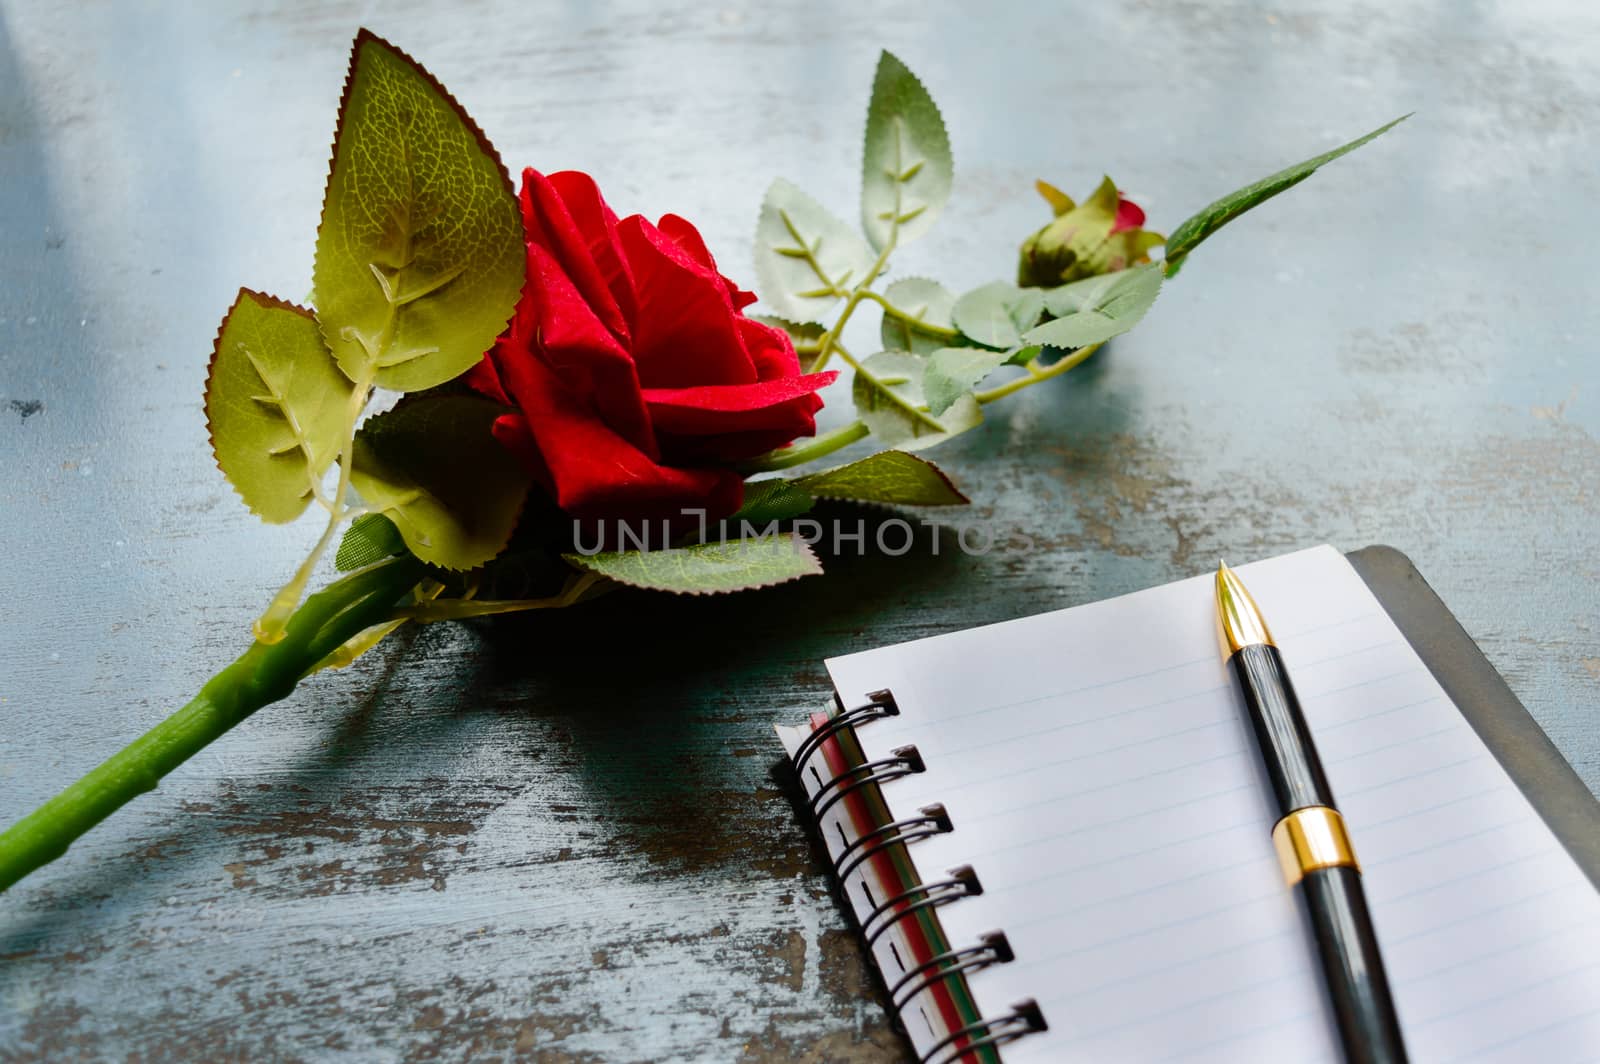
{"x":1054,"y":834}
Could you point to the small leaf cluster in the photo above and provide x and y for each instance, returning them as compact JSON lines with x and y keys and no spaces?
{"x":419,"y":264}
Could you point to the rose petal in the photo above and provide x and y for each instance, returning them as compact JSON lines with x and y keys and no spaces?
{"x":552,"y":226}
{"x":732,"y":447}
{"x":689,"y":238}
{"x":733,"y":441}
{"x":583,"y":353}
{"x":598,"y":223}
{"x":591,"y":471}
{"x":485,"y":380}
{"x":770,"y":349}
{"x":1129,"y":216}
{"x":686,"y":332}
{"x":730,"y":398}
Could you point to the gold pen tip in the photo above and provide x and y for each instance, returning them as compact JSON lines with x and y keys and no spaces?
{"x":1239,"y":620}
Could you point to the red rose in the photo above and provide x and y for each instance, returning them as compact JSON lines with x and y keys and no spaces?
{"x":636,"y":376}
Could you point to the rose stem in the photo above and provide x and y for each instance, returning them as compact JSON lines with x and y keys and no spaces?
{"x":263,"y":674}
{"x":801,"y":453}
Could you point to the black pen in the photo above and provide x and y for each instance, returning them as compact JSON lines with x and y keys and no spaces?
{"x":1310,"y":836}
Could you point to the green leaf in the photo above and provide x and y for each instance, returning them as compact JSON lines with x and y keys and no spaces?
{"x":803,"y":334}
{"x":432,"y":466}
{"x":927,"y":301}
{"x":888,"y":395}
{"x":889,"y":477}
{"x":954,"y":371}
{"x":1095,"y":309}
{"x":906,"y":167}
{"x":1188,"y":236}
{"x":276,"y":405}
{"x":1021,"y":356}
{"x":370,"y":538}
{"x":420,"y":255}
{"x":770,"y":500}
{"x":997,"y":314}
{"x":707,"y":568}
{"x":806,"y":259}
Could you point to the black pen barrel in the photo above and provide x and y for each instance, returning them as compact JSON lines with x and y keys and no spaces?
{"x":1293,"y":768}
{"x":1358,"y":986}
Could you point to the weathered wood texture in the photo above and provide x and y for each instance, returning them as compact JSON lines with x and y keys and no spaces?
{"x":563,"y":840}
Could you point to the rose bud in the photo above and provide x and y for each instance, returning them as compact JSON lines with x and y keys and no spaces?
{"x":1100,"y":235}
{"x":636,"y":377}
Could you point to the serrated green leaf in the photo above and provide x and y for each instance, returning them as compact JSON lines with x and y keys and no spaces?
{"x":806,"y":258}
{"x":927,"y":301}
{"x":420,"y":257}
{"x":432,"y":466}
{"x":803,"y":334}
{"x":276,"y":404}
{"x":906,"y":168}
{"x":888,"y":395}
{"x":997,"y":314}
{"x":1188,"y":236}
{"x":1021,"y":356}
{"x":1095,"y":309}
{"x":707,"y":568}
{"x":775,"y":499}
{"x":889,"y":477}
{"x":954,"y":371}
{"x":370,"y":538}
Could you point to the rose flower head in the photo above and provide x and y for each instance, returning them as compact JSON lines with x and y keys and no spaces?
{"x":1102,"y":234}
{"x":636,"y":377}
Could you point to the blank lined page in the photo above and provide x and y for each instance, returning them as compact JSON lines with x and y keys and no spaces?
{"x":1106,"y":789}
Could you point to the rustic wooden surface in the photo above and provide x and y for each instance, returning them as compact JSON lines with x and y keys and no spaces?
{"x":564,"y":841}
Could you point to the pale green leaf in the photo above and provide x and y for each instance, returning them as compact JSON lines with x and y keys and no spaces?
{"x":370,"y":538}
{"x":906,"y":167}
{"x":888,"y":395}
{"x":433,"y":468}
{"x":775,"y":499}
{"x":420,"y":255}
{"x":707,"y":568}
{"x":954,"y":371}
{"x":1188,"y":236}
{"x":1095,"y":309}
{"x":805,"y":335}
{"x":888,"y":477}
{"x":806,"y":259}
{"x":276,"y":404}
{"x":997,"y":314}
{"x":929,"y":303}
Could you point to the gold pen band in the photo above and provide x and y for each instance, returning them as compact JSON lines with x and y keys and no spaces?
{"x":1312,"y":838}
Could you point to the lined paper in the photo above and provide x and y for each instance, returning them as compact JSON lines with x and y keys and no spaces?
{"x":1106,"y":789}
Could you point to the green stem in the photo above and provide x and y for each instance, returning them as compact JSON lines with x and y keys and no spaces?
{"x":269,"y":627}
{"x":265,"y":673}
{"x":830,"y":339}
{"x":925,"y":327}
{"x":799,"y":454}
{"x":1035,"y":374}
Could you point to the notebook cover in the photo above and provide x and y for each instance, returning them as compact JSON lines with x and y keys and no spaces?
{"x":1529,"y":757}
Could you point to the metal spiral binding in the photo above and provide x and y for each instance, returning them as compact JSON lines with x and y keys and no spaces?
{"x":932,"y":821}
{"x":963,"y":883}
{"x":879,"y":704}
{"x":1024,"y":1019}
{"x":992,"y":948}
{"x":902,"y":761}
